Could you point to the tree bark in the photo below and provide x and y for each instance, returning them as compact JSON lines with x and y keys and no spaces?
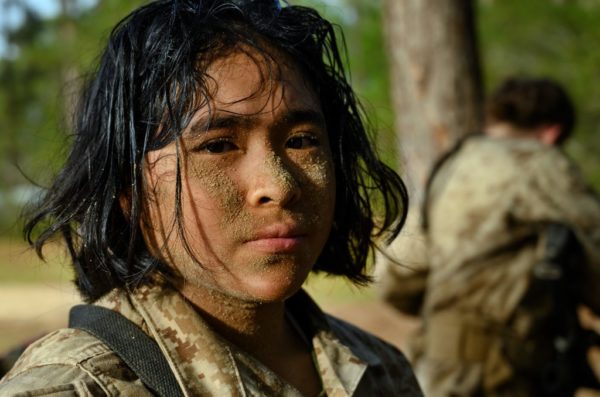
{"x":436,"y":80}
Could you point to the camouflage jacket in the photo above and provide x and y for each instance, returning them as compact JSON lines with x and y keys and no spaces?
{"x":472,"y":275}
{"x":70,"y":362}
{"x":484,"y":210}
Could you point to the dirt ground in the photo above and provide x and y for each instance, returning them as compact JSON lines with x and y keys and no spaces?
{"x":30,"y":310}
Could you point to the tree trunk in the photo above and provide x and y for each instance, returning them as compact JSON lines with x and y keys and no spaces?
{"x":436,"y":81}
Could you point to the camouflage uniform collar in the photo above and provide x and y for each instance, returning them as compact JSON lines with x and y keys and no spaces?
{"x":341,"y":366}
{"x":200,"y":360}
{"x":314,"y":322}
{"x":206,"y":364}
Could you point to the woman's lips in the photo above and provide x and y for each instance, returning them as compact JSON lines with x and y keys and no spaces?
{"x":277,"y":238}
{"x":276,"y":244}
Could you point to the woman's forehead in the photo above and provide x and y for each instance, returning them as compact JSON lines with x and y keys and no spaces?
{"x":251,"y":81}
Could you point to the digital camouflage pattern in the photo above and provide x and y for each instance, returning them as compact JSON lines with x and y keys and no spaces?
{"x":70,"y":362}
{"x":472,"y":279}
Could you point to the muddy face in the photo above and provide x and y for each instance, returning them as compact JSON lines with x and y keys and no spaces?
{"x":258,"y":186}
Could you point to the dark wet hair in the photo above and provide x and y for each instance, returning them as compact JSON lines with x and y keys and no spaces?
{"x":532,"y":102}
{"x":150,"y":75}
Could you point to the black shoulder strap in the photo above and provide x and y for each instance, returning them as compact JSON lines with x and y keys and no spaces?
{"x":131,"y":344}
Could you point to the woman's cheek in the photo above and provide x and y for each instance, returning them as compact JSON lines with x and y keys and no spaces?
{"x":215,"y":189}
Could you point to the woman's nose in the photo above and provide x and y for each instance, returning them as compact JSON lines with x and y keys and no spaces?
{"x":273,"y":182}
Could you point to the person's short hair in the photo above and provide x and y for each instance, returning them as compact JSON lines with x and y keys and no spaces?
{"x":532,"y":102}
{"x":149,"y":82}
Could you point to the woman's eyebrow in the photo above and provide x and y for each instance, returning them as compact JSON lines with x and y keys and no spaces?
{"x":288,"y":119}
{"x":301,"y":116}
{"x":220,"y":122}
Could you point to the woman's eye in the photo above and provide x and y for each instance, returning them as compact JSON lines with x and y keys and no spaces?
{"x":219,"y":146}
{"x":302,"y":142}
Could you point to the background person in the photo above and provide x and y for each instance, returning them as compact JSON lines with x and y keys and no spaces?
{"x":218,"y":155}
{"x":488,"y":316}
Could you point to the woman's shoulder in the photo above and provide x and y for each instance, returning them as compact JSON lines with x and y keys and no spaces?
{"x":70,"y":362}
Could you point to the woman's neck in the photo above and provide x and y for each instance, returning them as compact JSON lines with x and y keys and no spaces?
{"x":250,"y":325}
{"x":260,"y":329}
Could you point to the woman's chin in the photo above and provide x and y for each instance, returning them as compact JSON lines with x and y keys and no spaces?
{"x":275,"y":285}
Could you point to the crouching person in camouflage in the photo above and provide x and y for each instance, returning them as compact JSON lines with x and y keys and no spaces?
{"x":512,"y":237}
{"x":219,"y":157}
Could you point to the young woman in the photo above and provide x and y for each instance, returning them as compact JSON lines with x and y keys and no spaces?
{"x":219,"y":158}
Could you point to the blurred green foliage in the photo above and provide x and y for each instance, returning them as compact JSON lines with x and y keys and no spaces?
{"x":20,"y":265}
{"x":40,"y":74}
{"x":48,"y":58}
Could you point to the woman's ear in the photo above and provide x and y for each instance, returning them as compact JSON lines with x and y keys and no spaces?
{"x":549,"y":134}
